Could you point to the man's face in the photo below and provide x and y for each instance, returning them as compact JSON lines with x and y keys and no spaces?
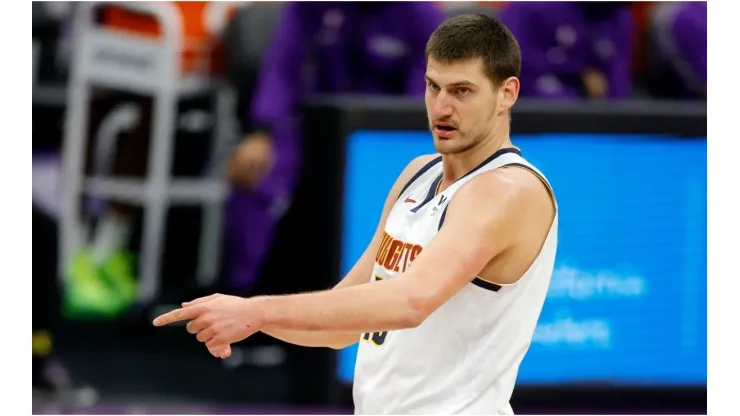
{"x":461,"y":104}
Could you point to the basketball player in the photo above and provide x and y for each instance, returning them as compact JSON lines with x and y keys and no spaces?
{"x":445,"y":299}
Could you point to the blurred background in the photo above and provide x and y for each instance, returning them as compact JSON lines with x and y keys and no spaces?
{"x":186,"y":148}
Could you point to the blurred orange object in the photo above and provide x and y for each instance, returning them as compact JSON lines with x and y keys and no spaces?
{"x":202,"y":51}
{"x":640,"y":12}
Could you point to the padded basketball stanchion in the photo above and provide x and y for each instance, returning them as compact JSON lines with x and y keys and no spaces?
{"x":224,"y":131}
{"x":105,"y":58}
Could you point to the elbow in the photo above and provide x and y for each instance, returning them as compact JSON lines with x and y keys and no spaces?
{"x":418,"y":308}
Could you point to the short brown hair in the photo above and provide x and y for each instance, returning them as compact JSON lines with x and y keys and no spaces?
{"x":471,"y":36}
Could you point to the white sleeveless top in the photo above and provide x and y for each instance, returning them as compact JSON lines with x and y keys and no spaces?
{"x":464,"y":358}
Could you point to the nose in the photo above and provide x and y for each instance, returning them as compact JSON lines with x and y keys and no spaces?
{"x":442,"y":106}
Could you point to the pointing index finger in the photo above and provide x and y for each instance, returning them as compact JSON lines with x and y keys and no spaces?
{"x":182,"y":314}
{"x":201,"y":300}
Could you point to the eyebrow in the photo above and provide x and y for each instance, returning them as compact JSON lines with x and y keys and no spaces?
{"x":453,"y":84}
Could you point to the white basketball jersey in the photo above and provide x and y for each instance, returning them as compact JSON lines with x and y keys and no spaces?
{"x":464,"y":358}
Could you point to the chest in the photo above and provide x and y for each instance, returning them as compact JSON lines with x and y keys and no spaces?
{"x":418,"y":216}
{"x":412,"y":223}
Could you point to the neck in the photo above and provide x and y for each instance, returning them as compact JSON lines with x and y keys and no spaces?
{"x":455,"y":166}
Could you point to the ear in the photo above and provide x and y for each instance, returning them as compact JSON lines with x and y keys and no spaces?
{"x":509,"y":93}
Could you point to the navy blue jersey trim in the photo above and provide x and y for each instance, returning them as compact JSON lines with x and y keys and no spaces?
{"x":430,"y":194}
{"x":486,"y":285}
{"x":490,"y":159}
{"x":419,"y":173}
{"x":442,"y":218}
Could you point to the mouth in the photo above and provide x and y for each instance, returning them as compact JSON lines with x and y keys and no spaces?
{"x":444,"y":130}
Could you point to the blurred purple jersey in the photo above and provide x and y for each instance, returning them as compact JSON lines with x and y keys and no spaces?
{"x":560,"y":40}
{"x":680,"y":41}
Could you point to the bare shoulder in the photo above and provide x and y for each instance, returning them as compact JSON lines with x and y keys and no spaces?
{"x":511,"y":189}
{"x":412,"y":169}
{"x":408,"y":174}
{"x":506,"y":214}
{"x":418,"y":163}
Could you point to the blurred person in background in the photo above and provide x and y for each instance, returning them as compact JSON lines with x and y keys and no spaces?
{"x":573,"y":49}
{"x":316,"y":48}
{"x":678,"y":55}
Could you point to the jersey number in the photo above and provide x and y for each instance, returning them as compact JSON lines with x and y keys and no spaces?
{"x":377,"y":338}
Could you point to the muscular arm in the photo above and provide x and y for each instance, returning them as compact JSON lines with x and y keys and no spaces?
{"x":359,"y":274}
{"x":483,"y":220}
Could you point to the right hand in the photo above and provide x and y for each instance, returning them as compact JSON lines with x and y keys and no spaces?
{"x":252,"y":161}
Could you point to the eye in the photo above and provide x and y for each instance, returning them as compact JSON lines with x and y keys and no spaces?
{"x":463,"y":90}
{"x":433,"y":86}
